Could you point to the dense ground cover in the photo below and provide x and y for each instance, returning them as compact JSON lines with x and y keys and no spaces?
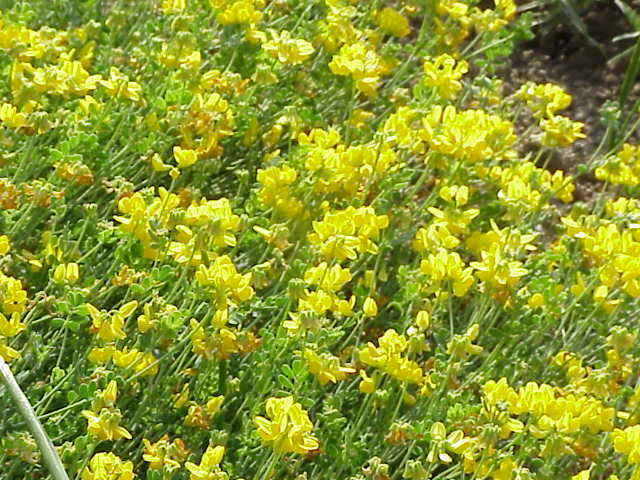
{"x":306,"y":239}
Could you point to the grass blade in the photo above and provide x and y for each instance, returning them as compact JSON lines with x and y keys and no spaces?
{"x":21,"y":402}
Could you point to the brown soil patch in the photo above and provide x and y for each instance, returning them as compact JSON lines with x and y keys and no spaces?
{"x":561,"y":55}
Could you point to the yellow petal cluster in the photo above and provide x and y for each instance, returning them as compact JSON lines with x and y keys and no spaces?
{"x":287,"y":428}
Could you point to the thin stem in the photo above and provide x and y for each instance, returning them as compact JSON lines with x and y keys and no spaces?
{"x":49,"y":454}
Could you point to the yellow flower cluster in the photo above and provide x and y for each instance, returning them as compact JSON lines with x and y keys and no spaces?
{"x":614,"y":250}
{"x":455,"y":442}
{"x":388,"y":356}
{"x":469,"y":135}
{"x":220,"y":344}
{"x":326,"y":367}
{"x":552,"y":409}
{"x":492,"y":20}
{"x":498,"y":271}
{"x":313,"y":305}
{"x":398,"y":130}
{"x":276,"y":190}
{"x":172,"y":7}
{"x":343,"y":170}
{"x":392,"y":22}
{"x":444,"y":73}
{"x":344,"y":234}
{"x":444,"y":269}
{"x":108,"y":326}
{"x":623,"y":168}
{"x":544,"y":101}
{"x":360,"y":62}
{"x":337,"y":29}
{"x":209,"y":120}
{"x":329,"y":279}
{"x":600,"y":382}
{"x":27,"y":44}
{"x":188,"y":235}
{"x":287,"y":428}
{"x":164,"y":454}
{"x":560,"y":131}
{"x":13,"y":298}
{"x":245,"y":12}
{"x":627,"y":442}
{"x":104,"y":418}
{"x":227,"y":286}
{"x":286,"y":49}
{"x":142,"y":363}
{"x":12,"y":305}
{"x":108,"y":466}
{"x":180,"y":55}
{"x":209,"y":467}
{"x":151,"y":314}
{"x":457,"y":19}
{"x":66,"y":273}
{"x":523,"y":185}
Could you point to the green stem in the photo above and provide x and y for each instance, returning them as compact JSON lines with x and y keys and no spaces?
{"x":49,"y":453}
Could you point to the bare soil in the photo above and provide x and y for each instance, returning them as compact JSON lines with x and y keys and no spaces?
{"x":559,"y":54}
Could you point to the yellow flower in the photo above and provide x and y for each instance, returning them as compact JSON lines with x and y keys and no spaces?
{"x":461,"y":346}
{"x":544,"y":100}
{"x":214,"y":404}
{"x":106,"y":424}
{"x":5,"y":246}
{"x":214,"y":217}
{"x":66,"y":273}
{"x":627,"y":442}
{"x":221,"y":344}
{"x":536,"y":300}
{"x":370,"y":308}
{"x":367,"y":384}
{"x":497,"y":271}
{"x":444,"y":73}
{"x":329,"y":279}
{"x":276,"y":190}
{"x":164,"y":454}
{"x":287,"y":49}
{"x":197,"y":417}
{"x":326,"y":367}
{"x":623,"y":168}
{"x":157,"y":164}
{"x":138,"y":361}
{"x":343,"y":233}
{"x":172,"y":7}
{"x":456,"y":442}
{"x":107,"y":466}
{"x":393,"y":22}
{"x":209,"y":468}
{"x":225,"y":283}
{"x":560,"y":131}
{"x":10,"y":327}
{"x":108,"y":326}
{"x":388,"y":357}
{"x":360,"y":62}
{"x":11,"y":117}
{"x":423,"y":319}
{"x":184,"y":157}
{"x":241,"y":11}
{"x":288,"y":427}
{"x":119,"y":85}
{"x":101,"y":355}
{"x":583,"y":475}
{"x":446,"y":266}
{"x":13,"y":298}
